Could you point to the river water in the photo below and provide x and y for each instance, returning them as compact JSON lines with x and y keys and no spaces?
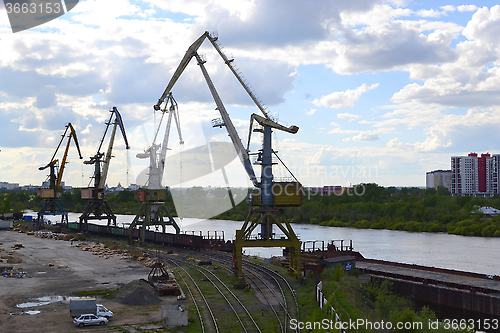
{"x":472,"y":254}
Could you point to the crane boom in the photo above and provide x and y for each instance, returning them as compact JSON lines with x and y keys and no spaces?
{"x":157,"y":161}
{"x":122,"y":127}
{"x":183,"y":64}
{"x":233,"y":134}
{"x":173,"y":113}
{"x":229,"y":63}
{"x":271,"y":123}
{"x":107,"y":159}
{"x":226,"y":121}
{"x":100,"y":176}
{"x":52,"y":204}
{"x":57,"y":180}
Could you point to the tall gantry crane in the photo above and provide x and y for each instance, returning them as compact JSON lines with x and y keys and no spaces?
{"x":97,"y":207}
{"x":52,"y":204}
{"x":266,"y":206}
{"x":153,"y":210}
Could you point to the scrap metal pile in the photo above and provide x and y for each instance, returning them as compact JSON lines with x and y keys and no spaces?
{"x":14,"y":273}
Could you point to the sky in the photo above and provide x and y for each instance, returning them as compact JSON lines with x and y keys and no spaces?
{"x":382,"y":91}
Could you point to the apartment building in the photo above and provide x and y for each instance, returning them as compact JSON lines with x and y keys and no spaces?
{"x":475,"y":175}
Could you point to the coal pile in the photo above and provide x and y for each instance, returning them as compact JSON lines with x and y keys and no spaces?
{"x":138,"y":292}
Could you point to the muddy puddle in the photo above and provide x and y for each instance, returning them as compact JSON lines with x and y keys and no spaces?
{"x":41,"y":301}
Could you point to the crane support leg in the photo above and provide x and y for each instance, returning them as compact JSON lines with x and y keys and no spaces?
{"x":53,"y":206}
{"x":268,"y":217}
{"x":97,"y":209}
{"x":238,"y":256}
{"x":153,"y":213}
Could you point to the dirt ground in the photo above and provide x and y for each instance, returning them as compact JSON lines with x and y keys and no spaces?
{"x":56,"y":268}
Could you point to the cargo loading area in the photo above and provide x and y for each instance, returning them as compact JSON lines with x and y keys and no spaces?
{"x":54,"y":270}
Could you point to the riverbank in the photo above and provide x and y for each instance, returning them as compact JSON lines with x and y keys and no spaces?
{"x":369,"y":207}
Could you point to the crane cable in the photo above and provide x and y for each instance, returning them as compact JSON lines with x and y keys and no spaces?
{"x":180,"y":178}
{"x":180,"y":163}
{"x":128,"y":166}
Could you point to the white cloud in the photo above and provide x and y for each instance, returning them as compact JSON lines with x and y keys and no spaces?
{"x":366,"y":136}
{"x":348,"y":116}
{"x":393,"y":143}
{"x":378,"y":16}
{"x":484,"y":27}
{"x":87,"y":129}
{"x":311,"y":112}
{"x":409,"y":115}
{"x":467,"y":8}
{"x":391,"y":46}
{"x":344,"y":99}
{"x":436,"y":13}
{"x":448,"y":8}
{"x":462,"y":132}
{"x":429,"y":13}
{"x":472,"y":79}
{"x":338,"y":130}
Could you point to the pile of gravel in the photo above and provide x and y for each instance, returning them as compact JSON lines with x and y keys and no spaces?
{"x":138,"y":292}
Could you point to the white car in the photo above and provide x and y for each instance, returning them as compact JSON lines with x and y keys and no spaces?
{"x":89,"y":319}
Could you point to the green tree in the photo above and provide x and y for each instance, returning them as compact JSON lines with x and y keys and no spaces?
{"x":443,"y":191}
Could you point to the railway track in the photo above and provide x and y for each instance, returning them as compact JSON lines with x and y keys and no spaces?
{"x":290,"y":303}
{"x":260,"y":285}
{"x":271,"y":286}
{"x":286,"y":298}
{"x":208,"y":285}
{"x":212,"y":320}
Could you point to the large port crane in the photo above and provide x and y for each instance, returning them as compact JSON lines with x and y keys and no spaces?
{"x":97,"y":207}
{"x":52,"y":204}
{"x":267,"y":205}
{"x":153,"y":210}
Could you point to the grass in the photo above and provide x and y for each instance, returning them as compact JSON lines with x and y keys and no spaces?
{"x":87,"y":293}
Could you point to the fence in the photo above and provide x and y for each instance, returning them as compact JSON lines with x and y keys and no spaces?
{"x":322,"y":301}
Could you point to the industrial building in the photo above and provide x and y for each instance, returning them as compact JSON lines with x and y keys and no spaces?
{"x":438,"y":178}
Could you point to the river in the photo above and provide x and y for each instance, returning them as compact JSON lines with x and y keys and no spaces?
{"x":472,"y":254}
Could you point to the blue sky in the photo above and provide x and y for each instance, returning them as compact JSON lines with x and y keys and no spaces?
{"x":382,"y":91}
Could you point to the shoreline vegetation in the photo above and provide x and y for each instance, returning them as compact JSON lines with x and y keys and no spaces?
{"x":409,"y":209}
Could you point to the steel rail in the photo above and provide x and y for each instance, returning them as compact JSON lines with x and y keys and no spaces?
{"x":201,"y":294}
{"x":223,"y":295}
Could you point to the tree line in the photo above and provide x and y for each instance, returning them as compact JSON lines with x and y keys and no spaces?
{"x":367,"y":206}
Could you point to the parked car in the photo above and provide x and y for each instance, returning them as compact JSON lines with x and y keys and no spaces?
{"x":89,"y":319}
